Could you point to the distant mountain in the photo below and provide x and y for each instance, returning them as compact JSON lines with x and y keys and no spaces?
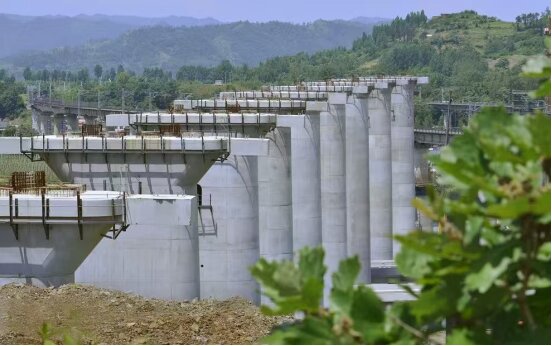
{"x":21,"y":34}
{"x":172,"y":47}
{"x":145,"y":21}
{"x":370,"y":20}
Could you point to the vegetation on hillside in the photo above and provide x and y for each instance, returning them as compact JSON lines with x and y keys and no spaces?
{"x":171,"y":47}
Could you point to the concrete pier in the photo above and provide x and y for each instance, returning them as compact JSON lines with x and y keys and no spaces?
{"x":158,"y":255}
{"x":275,"y":220}
{"x":305,"y":176}
{"x":357,"y":173}
{"x":227,"y":252}
{"x":381,"y":218}
{"x":402,"y":156}
{"x":332,"y":183}
{"x":275,"y":214}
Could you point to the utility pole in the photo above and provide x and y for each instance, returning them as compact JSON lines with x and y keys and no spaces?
{"x":150,"y":107}
{"x":50,"y":93}
{"x":78,"y":102}
{"x":98,"y":99}
{"x":123,"y":101}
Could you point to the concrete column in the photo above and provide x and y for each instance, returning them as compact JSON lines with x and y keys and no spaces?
{"x":41,"y":122}
{"x":58,"y":124}
{"x":305,"y":177}
{"x":72,"y":123}
{"x":357,"y":177}
{"x":227,"y":252}
{"x":402,"y":155}
{"x":36,"y":121}
{"x":275,"y":220}
{"x":381,"y":219}
{"x":332,"y":183}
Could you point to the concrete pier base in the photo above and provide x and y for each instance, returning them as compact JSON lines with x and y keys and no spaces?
{"x":157,"y":256}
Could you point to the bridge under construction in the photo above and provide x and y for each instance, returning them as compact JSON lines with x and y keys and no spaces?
{"x":216,"y":184}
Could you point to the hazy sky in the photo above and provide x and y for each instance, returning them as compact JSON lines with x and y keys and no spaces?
{"x":263,"y":10}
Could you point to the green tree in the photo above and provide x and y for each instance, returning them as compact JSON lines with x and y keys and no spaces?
{"x":98,"y":71}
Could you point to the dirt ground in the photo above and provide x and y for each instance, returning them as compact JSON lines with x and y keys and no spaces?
{"x":97,"y":316}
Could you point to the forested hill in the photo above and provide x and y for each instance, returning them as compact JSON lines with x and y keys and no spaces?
{"x":171,"y":47}
{"x":25,"y":33}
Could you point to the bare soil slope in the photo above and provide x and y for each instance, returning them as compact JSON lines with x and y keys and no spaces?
{"x":91,"y":315}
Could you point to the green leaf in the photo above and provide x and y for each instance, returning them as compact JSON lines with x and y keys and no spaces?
{"x":289,"y":287}
{"x":543,"y":253}
{"x":311,"y":262}
{"x":510,"y":209}
{"x":310,"y":331}
{"x":367,"y":312}
{"x":461,"y":336}
{"x":412,"y":263}
{"x":345,"y":276}
{"x":487,"y":276}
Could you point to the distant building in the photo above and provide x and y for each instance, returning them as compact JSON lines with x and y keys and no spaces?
{"x":219,"y":82}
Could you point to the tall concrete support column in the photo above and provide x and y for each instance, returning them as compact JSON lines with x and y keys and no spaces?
{"x":59,"y":127}
{"x":402,"y":155}
{"x":275,"y":221}
{"x":332,"y":183}
{"x":357,"y":177}
{"x":381,"y":218}
{"x":35,"y":118}
{"x":227,"y":251}
{"x":41,"y":122}
{"x":305,"y":175}
{"x":72,"y":123}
